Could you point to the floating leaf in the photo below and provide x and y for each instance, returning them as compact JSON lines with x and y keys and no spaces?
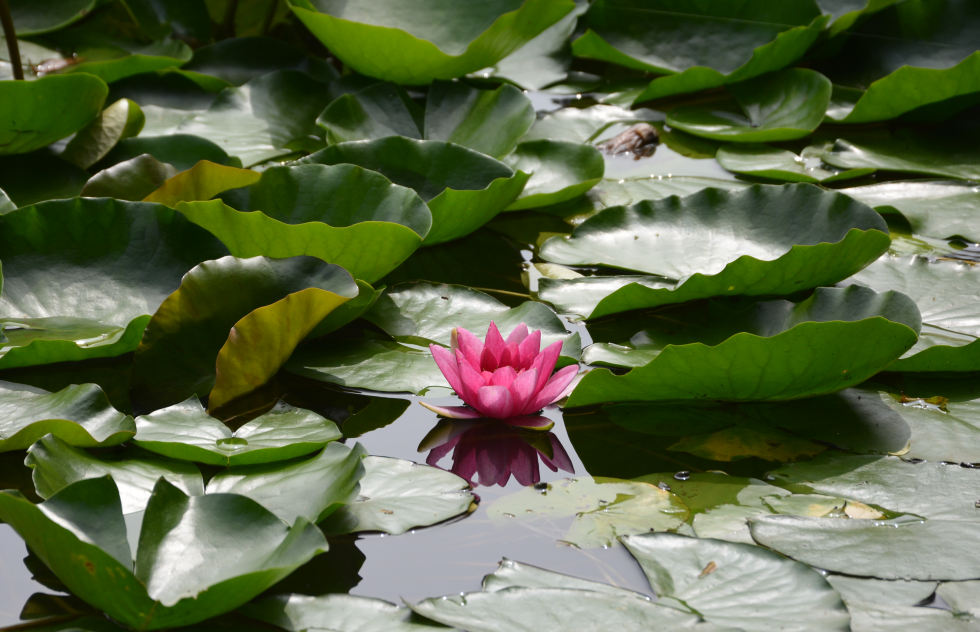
{"x":398,"y":495}
{"x":90,"y":144}
{"x":342,"y":214}
{"x":914,"y":549}
{"x":183,"y":340}
{"x":308,"y":490}
{"x":559,"y":171}
{"x":41,"y":112}
{"x":934,"y":208}
{"x":740,"y":443}
{"x":230,"y":549}
{"x":86,"y":258}
{"x":185,"y":431}
{"x":738,"y":585}
{"x":584,"y":125}
{"x":784,"y":105}
{"x":432,"y":40}
{"x":881,"y":591}
{"x":949,"y":151}
{"x":463,"y":189}
{"x":947,"y":294}
{"x":79,"y":415}
{"x":511,"y":574}
{"x":130,"y":180}
{"x":239,"y":60}
{"x":265,"y":118}
{"x":848,"y":335}
{"x":797,"y":249}
{"x":180,"y":150}
{"x":344,"y":613}
{"x":700,"y":47}
{"x":33,"y":17}
{"x":604,"y":509}
{"x":764,"y":161}
{"x":57,"y":465}
{"x":203,"y":181}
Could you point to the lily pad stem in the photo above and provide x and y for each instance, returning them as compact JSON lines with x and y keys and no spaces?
{"x":11,"y":36}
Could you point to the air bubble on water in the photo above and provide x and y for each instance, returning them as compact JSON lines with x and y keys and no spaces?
{"x":509,"y":515}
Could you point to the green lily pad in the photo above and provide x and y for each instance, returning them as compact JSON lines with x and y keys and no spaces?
{"x":57,"y":465}
{"x":918,"y":60}
{"x":342,"y":214}
{"x":432,"y":40}
{"x":238,"y":60}
{"x":560,"y":171}
{"x":873,"y":616}
{"x":940,"y":432}
{"x":698,"y":47}
{"x":947,"y":294}
{"x":183,"y":151}
{"x":130,"y":180}
{"x":463,"y":189}
{"x":604,"y":510}
{"x":784,"y":105}
{"x":529,"y":609}
{"x":584,"y":125}
{"x":185,"y":431}
{"x":511,"y":574}
{"x":768,"y":364}
{"x":881,"y":591}
{"x":964,"y":597}
{"x":41,"y":112}
{"x":376,"y":365}
{"x":343,"y":613}
{"x":398,"y":495}
{"x":421,"y":313}
{"x":90,"y":144}
{"x":934,"y":208}
{"x":764,"y":161}
{"x":308,"y":490}
{"x":914,"y":549}
{"x":177,"y":356}
{"x":840,"y":238}
{"x":488,"y":121}
{"x":738,"y":585}
{"x":232,"y":550}
{"x":80,"y":415}
{"x":33,"y":17}
{"x":270,"y":116}
{"x":950,"y":151}
{"x":87,"y":258}
{"x":203,"y":181}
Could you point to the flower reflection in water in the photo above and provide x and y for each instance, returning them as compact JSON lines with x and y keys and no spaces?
{"x":488,"y":452}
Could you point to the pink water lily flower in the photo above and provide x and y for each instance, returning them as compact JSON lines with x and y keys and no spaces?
{"x":501,"y":379}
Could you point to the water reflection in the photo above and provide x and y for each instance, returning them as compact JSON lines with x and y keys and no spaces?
{"x":489,"y":452}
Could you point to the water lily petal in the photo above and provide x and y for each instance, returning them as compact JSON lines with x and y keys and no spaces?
{"x":524,"y":465}
{"x":531,"y":422}
{"x":454,"y":412}
{"x":496,"y":402}
{"x":488,"y":361}
{"x":511,"y":356}
{"x":518,"y":335}
{"x":504,"y":376}
{"x":447,"y":364}
{"x":545,"y":363}
{"x":495,"y":342}
{"x":553,"y":390}
{"x":472,"y":381}
{"x":436,"y":453}
{"x":522,"y":390}
{"x":470,"y":345}
{"x":530,"y":347}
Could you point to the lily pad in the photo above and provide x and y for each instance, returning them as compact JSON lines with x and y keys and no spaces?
{"x":185,"y":337}
{"x":512,"y":574}
{"x":881,"y":591}
{"x":584,"y":125}
{"x":233,"y":549}
{"x":950,"y":151}
{"x":463,"y":189}
{"x":130,"y":180}
{"x":343,"y":613}
{"x":784,"y":105}
{"x":122,"y":119}
{"x":185,"y":431}
{"x":203,"y":181}
{"x":915,"y":549}
{"x":41,"y":112}
{"x":432,"y":40}
{"x":87,"y":258}
{"x":56,"y":465}
{"x":183,"y":151}
{"x":934,"y":208}
{"x":947,"y":431}
{"x":342,"y":214}
{"x":848,"y":334}
{"x":270,"y":116}
{"x":766,"y":247}
{"x":79,"y":415}
{"x":488,"y":121}
{"x":398,"y":495}
{"x":560,"y":171}
{"x":604,"y":510}
{"x":738,"y":585}
{"x":308,"y":490}
{"x":33,"y":17}
{"x":238,"y":60}
{"x":947,"y":294}
{"x":764,"y":161}
{"x":699,"y":47}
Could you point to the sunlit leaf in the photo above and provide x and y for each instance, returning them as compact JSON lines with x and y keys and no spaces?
{"x":950,"y":151}
{"x":130,"y":180}
{"x":38,"y":113}
{"x":765,"y":161}
{"x":559,"y":171}
{"x":90,"y":144}
{"x":934,"y":208}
